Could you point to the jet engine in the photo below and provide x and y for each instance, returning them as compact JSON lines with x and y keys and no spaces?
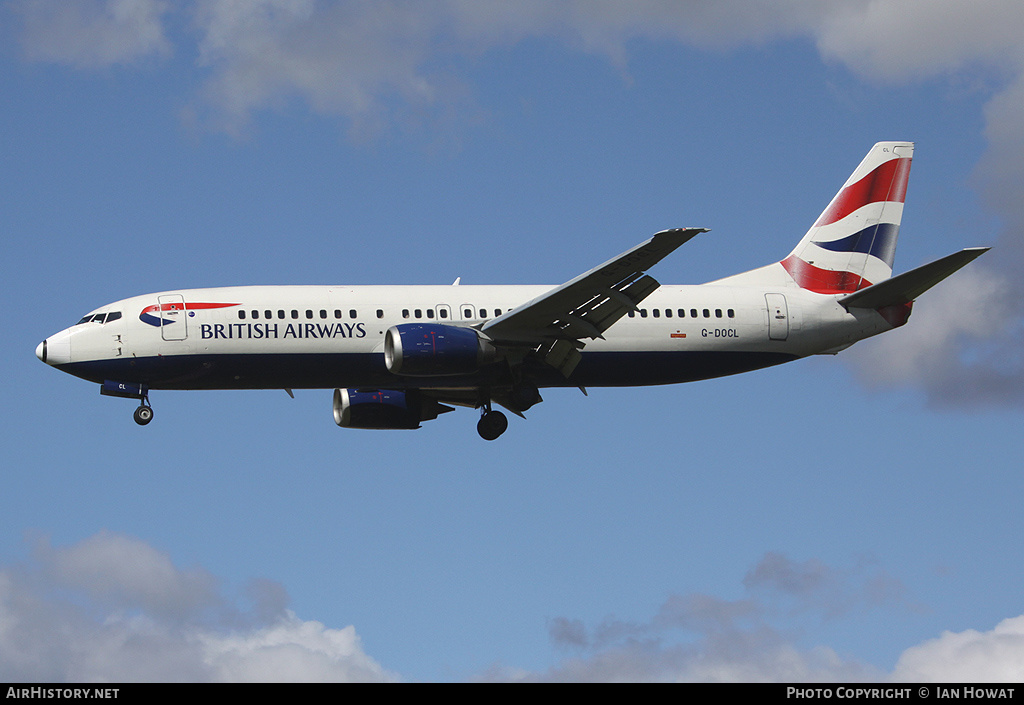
{"x":423,"y":350}
{"x":384,"y":408}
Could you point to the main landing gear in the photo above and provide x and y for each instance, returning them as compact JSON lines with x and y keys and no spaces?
{"x":491,"y":424}
{"x":518,"y":398}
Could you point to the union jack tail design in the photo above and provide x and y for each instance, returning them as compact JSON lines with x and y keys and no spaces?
{"x":852,"y":244}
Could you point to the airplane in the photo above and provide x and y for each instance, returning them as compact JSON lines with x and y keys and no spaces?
{"x":397,"y":356}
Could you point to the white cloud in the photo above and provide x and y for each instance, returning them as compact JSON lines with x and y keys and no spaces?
{"x":959,"y":345}
{"x":368,"y":61}
{"x":341,"y":59}
{"x":699,"y":637}
{"x":708,"y":639}
{"x":910,"y":39}
{"x":289,"y":650}
{"x":359,"y":59}
{"x":93,"y":33}
{"x":120,"y":569}
{"x":740,"y":658}
{"x":60,"y":622}
{"x":968,"y":656}
{"x":813,"y":585}
{"x":765,"y":655}
{"x":113,"y":608}
{"x":351,"y":58}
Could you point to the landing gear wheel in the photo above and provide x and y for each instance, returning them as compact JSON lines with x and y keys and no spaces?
{"x":143,"y":415}
{"x":491,"y":425}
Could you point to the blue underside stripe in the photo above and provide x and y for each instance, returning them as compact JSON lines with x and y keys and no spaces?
{"x":327,"y":371}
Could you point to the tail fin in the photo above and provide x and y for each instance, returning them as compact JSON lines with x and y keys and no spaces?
{"x":852,"y":244}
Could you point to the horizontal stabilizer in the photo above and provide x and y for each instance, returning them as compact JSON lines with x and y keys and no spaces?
{"x":904,"y":288}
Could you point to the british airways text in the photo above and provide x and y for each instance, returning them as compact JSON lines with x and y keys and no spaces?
{"x":274,"y":331}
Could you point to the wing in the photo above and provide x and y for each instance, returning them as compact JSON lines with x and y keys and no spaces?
{"x":556,"y":323}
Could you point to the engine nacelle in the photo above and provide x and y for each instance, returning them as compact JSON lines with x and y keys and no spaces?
{"x":422,"y":350}
{"x":384,"y":409}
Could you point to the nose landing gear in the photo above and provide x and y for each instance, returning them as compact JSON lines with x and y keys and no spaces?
{"x":144,"y":414}
{"x":131,"y":390}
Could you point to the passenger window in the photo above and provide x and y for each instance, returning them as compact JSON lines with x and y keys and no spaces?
{"x":443,"y":313}
{"x":418,"y":313}
{"x":718,"y":313}
{"x":268,"y":314}
{"x":241,"y":314}
{"x":255,"y":315}
{"x":380,"y":313}
{"x":632,"y":314}
{"x":295,"y":314}
{"x":337,"y":313}
{"x":323,"y":313}
{"x":430,"y":313}
{"x":280,"y":313}
{"x":405,"y":313}
{"x":643,"y":313}
{"x":656,"y":313}
{"x":497,"y":312}
{"x":707,"y":313}
{"x":483,"y":313}
{"x":352,"y":313}
{"x":668,"y":313}
{"x":731,"y":313}
{"x":682,"y":313}
{"x":467,"y":313}
{"x":309,"y":313}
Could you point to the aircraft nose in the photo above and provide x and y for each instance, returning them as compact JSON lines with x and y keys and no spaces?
{"x":55,"y":350}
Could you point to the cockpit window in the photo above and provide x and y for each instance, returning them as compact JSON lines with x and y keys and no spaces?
{"x":100,"y":318}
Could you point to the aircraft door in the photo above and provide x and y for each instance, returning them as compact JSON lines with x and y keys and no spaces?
{"x":778,"y":317}
{"x":173,"y":319}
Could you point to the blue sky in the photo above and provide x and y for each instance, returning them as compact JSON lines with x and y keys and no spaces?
{"x":849,"y":517}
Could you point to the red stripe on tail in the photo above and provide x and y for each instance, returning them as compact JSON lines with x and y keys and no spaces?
{"x":822,"y":281}
{"x":888,"y":182}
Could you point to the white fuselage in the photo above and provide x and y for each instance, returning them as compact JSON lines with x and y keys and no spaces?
{"x":322,"y":337}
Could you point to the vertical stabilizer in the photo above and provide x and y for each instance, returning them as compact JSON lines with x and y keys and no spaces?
{"x":852,"y":243}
